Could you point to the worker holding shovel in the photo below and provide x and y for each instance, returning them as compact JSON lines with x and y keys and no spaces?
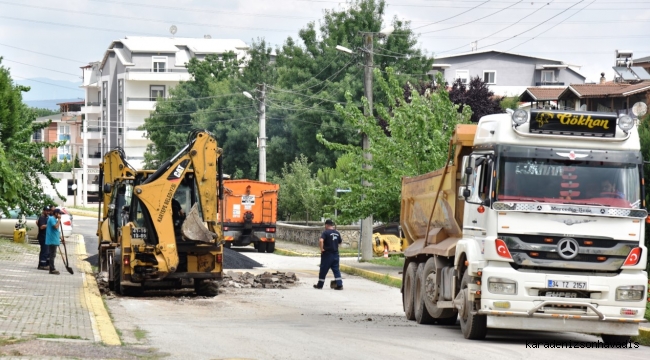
{"x":53,"y":237}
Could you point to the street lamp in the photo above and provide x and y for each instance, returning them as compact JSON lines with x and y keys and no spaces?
{"x":366,"y":224}
{"x":261,"y":113}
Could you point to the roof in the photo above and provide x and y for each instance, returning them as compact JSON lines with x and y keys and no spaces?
{"x":53,"y":117}
{"x":496,"y":51}
{"x":641,"y":60}
{"x":152,"y":44}
{"x":605,"y":90}
{"x":80,"y":102}
{"x":541,"y":93}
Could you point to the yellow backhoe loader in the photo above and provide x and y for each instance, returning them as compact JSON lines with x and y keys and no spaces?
{"x":159,"y":229}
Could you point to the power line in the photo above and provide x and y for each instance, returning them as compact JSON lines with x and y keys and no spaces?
{"x":136,"y":18}
{"x":39,"y":67}
{"x":464,"y":12}
{"x":473,"y":21}
{"x":43,"y":82}
{"x":40,"y":53}
{"x":505,"y":28}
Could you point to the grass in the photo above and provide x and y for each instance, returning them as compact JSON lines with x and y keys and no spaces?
{"x":379,"y":278}
{"x":647,"y":311}
{"x":393,"y":260}
{"x":139,"y":334}
{"x":84,"y":208}
{"x":55,"y":336}
{"x":643,"y":339}
{"x":8,"y":247}
{"x":10,"y":340}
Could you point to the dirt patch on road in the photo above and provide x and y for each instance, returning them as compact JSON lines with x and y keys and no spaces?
{"x":35,"y":348}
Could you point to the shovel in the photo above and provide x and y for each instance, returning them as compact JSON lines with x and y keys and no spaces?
{"x":65,"y":259}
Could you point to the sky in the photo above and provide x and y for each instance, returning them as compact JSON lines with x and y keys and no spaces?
{"x":52,"y":40}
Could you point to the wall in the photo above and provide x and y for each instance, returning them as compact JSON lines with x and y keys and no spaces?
{"x":309,"y":235}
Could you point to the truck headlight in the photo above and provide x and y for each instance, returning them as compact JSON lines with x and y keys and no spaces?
{"x":502,"y":286}
{"x":625,"y":122}
{"x":630,"y":293}
{"x":520,"y":116}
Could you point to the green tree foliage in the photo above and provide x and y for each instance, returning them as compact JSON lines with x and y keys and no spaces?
{"x":299,"y":198}
{"x":40,"y":112}
{"x":420,"y":130}
{"x":644,"y":136}
{"x":510,"y":102}
{"x":21,"y":160}
{"x":76,"y":163}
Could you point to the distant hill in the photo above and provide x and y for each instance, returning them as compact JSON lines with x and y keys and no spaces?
{"x":45,"y":89}
{"x":47,"y":104}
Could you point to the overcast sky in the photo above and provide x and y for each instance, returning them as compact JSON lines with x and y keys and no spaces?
{"x":584,"y":33}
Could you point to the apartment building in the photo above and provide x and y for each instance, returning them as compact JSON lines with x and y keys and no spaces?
{"x":122,"y":88}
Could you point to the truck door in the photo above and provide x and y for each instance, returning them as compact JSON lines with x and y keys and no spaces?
{"x":475,"y":218}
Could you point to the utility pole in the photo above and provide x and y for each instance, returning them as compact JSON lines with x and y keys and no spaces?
{"x":262,"y":135}
{"x":367,"y":223}
{"x":84,"y":176}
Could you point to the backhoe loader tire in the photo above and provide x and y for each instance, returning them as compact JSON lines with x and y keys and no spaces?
{"x":270,"y":247}
{"x":206,"y":287}
{"x":407,"y":293}
{"x":421,"y":314}
{"x":261,"y":247}
{"x":473,"y":325}
{"x":124,"y":290}
{"x":431,"y":294}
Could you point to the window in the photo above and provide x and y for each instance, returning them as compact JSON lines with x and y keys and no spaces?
{"x":38,"y":136}
{"x":490,"y":76}
{"x":548,"y":76}
{"x":120,"y":90}
{"x":120,"y":121}
{"x":157,"y":91}
{"x":104,"y":92}
{"x":64,"y":132}
{"x":463,"y":75}
{"x":64,"y":152}
{"x":159,"y":63}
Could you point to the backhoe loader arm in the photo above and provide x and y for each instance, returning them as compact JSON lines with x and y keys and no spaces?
{"x":156,"y":193}
{"x":112,"y":168}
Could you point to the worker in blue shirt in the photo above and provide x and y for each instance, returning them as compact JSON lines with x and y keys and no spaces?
{"x":329,"y":241}
{"x":53,"y":237}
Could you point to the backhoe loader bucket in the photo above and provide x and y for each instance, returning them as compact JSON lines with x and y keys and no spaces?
{"x":194,"y":229}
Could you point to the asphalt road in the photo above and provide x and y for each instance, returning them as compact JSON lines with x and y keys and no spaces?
{"x":87,"y":226}
{"x":364,"y":321}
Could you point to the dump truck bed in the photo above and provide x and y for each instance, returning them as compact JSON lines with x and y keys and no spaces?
{"x":258,"y":197}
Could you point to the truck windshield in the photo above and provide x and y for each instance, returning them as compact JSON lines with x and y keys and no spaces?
{"x":595,"y":183}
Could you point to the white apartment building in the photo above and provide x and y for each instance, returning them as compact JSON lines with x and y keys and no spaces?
{"x":121,"y":89}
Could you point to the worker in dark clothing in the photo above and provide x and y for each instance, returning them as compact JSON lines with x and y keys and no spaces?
{"x":329,"y":241}
{"x":41,"y":224}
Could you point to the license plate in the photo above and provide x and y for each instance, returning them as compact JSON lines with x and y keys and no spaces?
{"x":561,"y":294}
{"x":562,"y":284}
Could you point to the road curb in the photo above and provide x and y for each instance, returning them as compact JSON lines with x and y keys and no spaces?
{"x":102,"y":321}
{"x":370,"y":275}
{"x":644,"y":331}
{"x":281,"y":251}
{"x":81,"y":212}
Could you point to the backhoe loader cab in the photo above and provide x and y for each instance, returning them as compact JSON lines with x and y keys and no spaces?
{"x":165,"y":224}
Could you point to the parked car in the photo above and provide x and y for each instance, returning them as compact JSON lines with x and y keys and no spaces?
{"x":66,"y":212}
{"x":8,"y":224}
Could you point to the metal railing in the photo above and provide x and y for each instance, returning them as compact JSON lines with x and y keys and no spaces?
{"x":141,"y":99}
{"x":90,"y":103}
{"x":554,"y":83}
{"x":152,"y":70}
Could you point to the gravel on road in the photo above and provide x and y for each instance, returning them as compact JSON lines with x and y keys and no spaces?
{"x":235,"y":260}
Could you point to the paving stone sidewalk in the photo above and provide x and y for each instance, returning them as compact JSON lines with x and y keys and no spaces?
{"x":35,"y":302}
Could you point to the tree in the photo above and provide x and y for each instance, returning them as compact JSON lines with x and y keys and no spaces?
{"x":40,"y":112}
{"x":644,"y":137}
{"x":298,"y":197}
{"x":420,"y":130}
{"x":76,"y":163}
{"x":511,"y":102}
{"x":21,"y":160}
{"x":477,"y":96}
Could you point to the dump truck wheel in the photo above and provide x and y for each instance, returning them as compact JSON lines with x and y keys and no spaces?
{"x":615,"y":339}
{"x":206,"y":287}
{"x":270,"y":247}
{"x":407,"y":294}
{"x":474,"y":326}
{"x":422,"y":316}
{"x":431,"y":294}
{"x":261,"y":247}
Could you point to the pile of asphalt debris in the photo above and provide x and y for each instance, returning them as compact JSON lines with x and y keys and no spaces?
{"x":234,"y":280}
{"x":267,"y":280}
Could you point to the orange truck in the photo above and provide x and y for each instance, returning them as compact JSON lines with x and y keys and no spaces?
{"x":250,"y":211}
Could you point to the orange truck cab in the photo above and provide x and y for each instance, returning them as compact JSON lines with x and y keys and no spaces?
{"x":250,"y":210}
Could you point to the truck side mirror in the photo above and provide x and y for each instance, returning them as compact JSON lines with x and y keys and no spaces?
{"x":464,"y":193}
{"x":467,"y":170}
{"x":107,"y":188}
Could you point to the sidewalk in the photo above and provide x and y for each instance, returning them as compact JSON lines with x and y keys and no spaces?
{"x":34,"y":302}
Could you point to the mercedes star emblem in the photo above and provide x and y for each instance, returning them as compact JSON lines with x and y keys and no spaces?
{"x":568,"y":248}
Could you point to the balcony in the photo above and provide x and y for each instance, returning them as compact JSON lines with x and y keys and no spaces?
{"x":92,"y":108}
{"x":549,"y":83}
{"x":135,"y":134}
{"x":147,"y":104}
{"x":94,"y":161}
{"x":94,"y":133}
{"x":148,"y":74}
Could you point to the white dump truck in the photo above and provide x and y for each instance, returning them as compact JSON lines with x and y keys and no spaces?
{"x":536,"y":222}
